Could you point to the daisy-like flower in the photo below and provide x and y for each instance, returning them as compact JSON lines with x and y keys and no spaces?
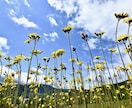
{"x":34,"y":36}
{"x":35,"y":52}
{"x":86,"y":67}
{"x":130,"y":77}
{"x":79,"y":62}
{"x":0,"y":54}
{"x":73,"y":49}
{"x":27,"y":41}
{"x":44,"y":58}
{"x":53,"y":55}
{"x":129,"y":65}
{"x":7,"y":58}
{"x":99,"y":34}
{"x":121,"y":15}
{"x":99,"y":66}
{"x":128,"y":49}
{"x":112,"y":50}
{"x":122,"y":86}
{"x":128,"y":20}
{"x":97,"y":57}
{"x":84,"y":36}
{"x":27,"y":58}
{"x":123,"y":37}
{"x":59,"y":52}
{"x":72,"y":59}
{"x":89,"y":79}
{"x":67,"y":29}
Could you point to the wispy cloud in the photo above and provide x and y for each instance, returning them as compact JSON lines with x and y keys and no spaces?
{"x":26,"y":3}
{"x":50,"y":37}
{"x":92,"y":44}
{"x":7,"y":1}
{"x":52,"y":21}
{"x":3,"y":43}
{"x":94,"y":15}
{"x":64,"y":6}
{"x":23,"y":21}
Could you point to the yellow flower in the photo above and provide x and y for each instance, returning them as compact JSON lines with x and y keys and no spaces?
{"x":34,"y":36}
{"x":0,"y":54}
{"x":7,"y":58}
{"x":128,"y":21}
{"x":99,"y":34}
{"x":27,"y":41}
{"x":121,"y":15}
{"x":79,"y":62}
{"x":130,"y":77}
{"x":86,"y":67}
{"x":117,"y":91}
{"x":99,"y":66}
{"x":128,"y":49}
{"x":77,"y":71}
{"x":122,"y":37}
{"x":78,"y":80}
{"x":112,"y":50}
{"x":97,"y":57}
{"x":44,"y":58}
{"x":108,"y":86}
{"x":35,"y":52}
{"x":45,"y":78}
{"x":72,"y":59}
{"x":36,"y":90}
{"x":20,"y":57}
{"x":122,"y":87}
{"x":129,"y":65}
{"x":119,"y":68}
{"x":53,"y":55}
{"x":115,"y":75}
{"x":67,"y":29}
{"x":84,"y":36}
{"x":89,"y":79}
{"x":27,"y":58}
{"x":59,"y":52}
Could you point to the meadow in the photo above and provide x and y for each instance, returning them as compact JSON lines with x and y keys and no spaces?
{"x":113,"y":90}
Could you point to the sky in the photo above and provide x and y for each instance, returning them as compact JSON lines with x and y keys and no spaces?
{"x":18,"y":18}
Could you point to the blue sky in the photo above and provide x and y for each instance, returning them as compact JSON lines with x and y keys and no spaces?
{"x":18,"y":18}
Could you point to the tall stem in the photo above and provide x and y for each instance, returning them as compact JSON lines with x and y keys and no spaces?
{"x":105,"y":59}
{"x":29,"y":66}
{"x":92,"y":60}
{"x":73,"y":70}
{"x":118,"y":46}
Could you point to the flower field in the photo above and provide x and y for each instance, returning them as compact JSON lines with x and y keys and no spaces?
{"x":104,"y":86}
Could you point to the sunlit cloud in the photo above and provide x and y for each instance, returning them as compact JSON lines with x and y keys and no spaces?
{"x":23,"y":21}
{"x":52,"y":21}
{"x":3,"y":44}
{"x":92,"y":44}
{"x":26,"y":3}
{"x":50,"y":37}
{"x":7,"y":1}
{"x":87,"y":16}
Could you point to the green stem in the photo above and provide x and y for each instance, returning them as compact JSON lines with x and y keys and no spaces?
{"x":73,"y":70}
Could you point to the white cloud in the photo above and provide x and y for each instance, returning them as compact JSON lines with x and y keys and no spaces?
{"x":64,"y":6}
{"x":23,"y":21}
{"x":26,"y":3}
{"x":3,"y":43}
{"x":94,"y":15}
{"x":52,"y":21}
{"x":12,"y":13}
{"x":51,"y":36}
{"x":7,"y":1}
{"x":92,"y":44}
